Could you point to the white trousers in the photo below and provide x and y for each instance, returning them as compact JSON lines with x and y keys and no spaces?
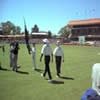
{"x":34,"y":61}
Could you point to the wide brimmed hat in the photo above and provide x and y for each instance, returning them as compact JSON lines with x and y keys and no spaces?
{"x":46,"y":41}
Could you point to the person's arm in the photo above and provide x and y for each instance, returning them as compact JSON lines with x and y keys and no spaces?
{"x":52,"y":57}
{"x":3,"y":48}
{"x":62,"y":56}
{"x":31,"y":50}
{"x":18,"y":47}
{"x":63,"y":59}
{"x":41,"y":57}
{"x":51,"y":54}
{"x":42,"y":52}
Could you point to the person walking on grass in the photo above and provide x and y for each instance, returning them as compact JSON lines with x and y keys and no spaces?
{"x":15,"y":56}
{"x":34,"y":56}
{"x":59,"y":56}
{"x":47,"y":52}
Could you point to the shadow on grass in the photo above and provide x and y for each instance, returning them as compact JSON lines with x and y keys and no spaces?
{"x":66,"y":78}
{"x":21,"y":72}
{"x":3,"y":69}
{"x":57,"y":82}
{"x":39,"y":70}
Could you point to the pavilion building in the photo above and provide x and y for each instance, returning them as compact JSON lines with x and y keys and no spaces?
{"x":89,"y":28}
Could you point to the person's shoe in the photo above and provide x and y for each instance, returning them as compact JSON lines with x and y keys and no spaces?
{"x":42,"y":75}
{"x":50,"y":81}
{"x":18,"y":66}
{"x":13,"y":69}
{"x":58,"y":76}
{"x":34,"y":68}
{"x":16,"y":71}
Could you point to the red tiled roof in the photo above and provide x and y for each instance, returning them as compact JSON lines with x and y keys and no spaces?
{"x":85,"y":22}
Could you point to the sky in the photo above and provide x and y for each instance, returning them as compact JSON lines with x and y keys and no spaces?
{"x":49,"y":15}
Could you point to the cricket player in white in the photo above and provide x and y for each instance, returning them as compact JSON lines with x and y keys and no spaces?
{"x":47,"y":53}
{"x":59,"y":56}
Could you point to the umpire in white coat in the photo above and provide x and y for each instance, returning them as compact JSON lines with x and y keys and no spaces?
{"x":59,"y":56}
{"x":47,"y":52}
{"x":96,"y":77}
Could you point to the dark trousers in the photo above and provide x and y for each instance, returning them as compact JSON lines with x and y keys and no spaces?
{"x":14,"y":60}
{"x":47,"y":69}
{"x":58,"y":64}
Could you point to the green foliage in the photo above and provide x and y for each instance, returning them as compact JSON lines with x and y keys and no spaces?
{"x":9,"y":28}
{"x":18,"y":30}
{"x":31,"y":86}
{"x":65,"y":31}
{"x":49,"y":34}
{"x":35,"y":29}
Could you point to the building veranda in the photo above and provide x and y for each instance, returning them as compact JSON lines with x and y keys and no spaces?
{"x":89,"y":28}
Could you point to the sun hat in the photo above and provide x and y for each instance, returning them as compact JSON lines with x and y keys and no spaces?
{"x":46,"y":41}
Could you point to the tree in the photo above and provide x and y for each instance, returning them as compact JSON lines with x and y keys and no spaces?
{"x":17,"y":30}
{"x":54,"y":36}
{"x":9,"y":28}
{"x":65,"y":31}
{"x":35,"y":29}
{"x":49,"y":34}
{"x":1,"y":30}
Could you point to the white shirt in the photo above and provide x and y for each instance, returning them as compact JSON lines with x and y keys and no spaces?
{"x":58,"y":52}
{"x":46,"y":50}
{"x":33,"y":50}
{"x":11,"y":48}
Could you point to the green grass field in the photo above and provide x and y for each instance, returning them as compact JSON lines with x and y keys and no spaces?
{"x":29,"y":85}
